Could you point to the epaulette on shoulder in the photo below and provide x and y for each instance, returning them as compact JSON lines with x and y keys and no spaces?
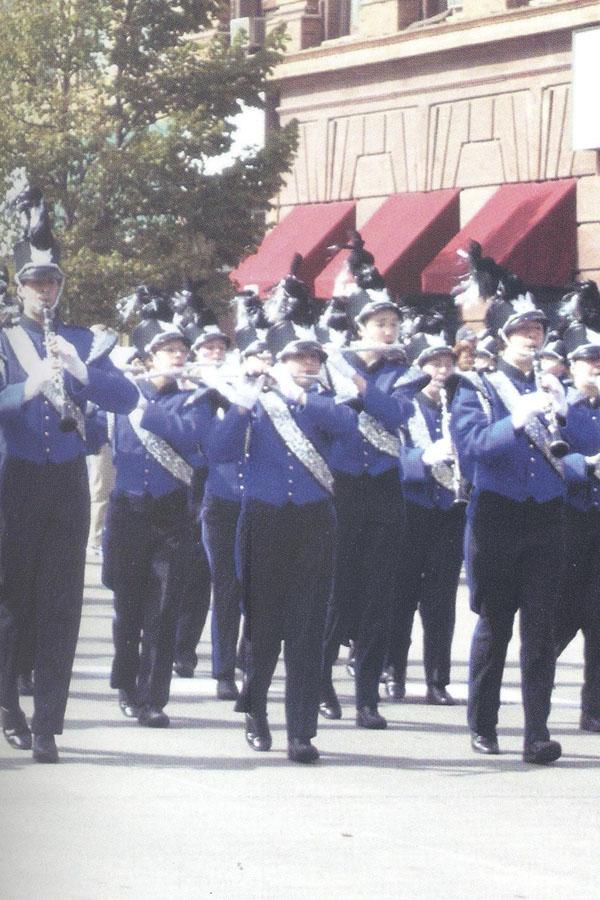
{"x":78,"y":329}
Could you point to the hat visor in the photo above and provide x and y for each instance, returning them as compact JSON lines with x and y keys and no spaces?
{"x":302,"y":351}
{"x":206,"y":339}
{"x":37,"y":273}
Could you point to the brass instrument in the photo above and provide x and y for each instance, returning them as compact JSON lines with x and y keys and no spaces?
{"x":460,"y":486}
{"x":557,"y":445}
{"x":67,"y":422}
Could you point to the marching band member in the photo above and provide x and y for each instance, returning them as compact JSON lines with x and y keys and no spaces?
{"x":148,"y":537}
{"x":220,"y":512}
{"x":514,"y":532}
{"x":287,"y":529}
{"x":208,"y":349}
{"x":50,"y":371}
{"x":370,"y":517}
{"x":579,"y":606}
{"x":431,"y":554}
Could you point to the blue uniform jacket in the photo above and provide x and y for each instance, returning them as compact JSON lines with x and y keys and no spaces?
{"x":273,"y":473}
{"x":31,"y":428}
{"x":183,"y":425}
{"x":582,"y":433}
{"x":501,"y":459}
{"x":420,"y":487}
{"x":354,"y":454}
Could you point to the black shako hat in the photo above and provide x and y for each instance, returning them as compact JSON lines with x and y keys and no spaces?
{"x":299,"y":348}
{"x":516,"y":320}
{"x":164,"y":336}
{"x":374,"y":307}
{"x":585,"y":351}
{"x":37,"y":255}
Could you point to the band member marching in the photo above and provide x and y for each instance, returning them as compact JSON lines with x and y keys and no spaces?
{"x":51,"y":370}
{"x":432,"y":550}
{"x":149,"y":537}
{"x":579,"y":607}
{"x":513,"y":544}
{"x":287,"y":531}
{"x":370,"y":515}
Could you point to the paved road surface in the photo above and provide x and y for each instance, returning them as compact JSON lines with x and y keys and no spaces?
{"x":192,"y":812}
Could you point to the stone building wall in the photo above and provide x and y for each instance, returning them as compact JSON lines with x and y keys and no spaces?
{"x":475,"y":100}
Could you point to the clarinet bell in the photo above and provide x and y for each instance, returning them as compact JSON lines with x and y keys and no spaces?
{"x":66,"y":424}
{"x":559,"y":448}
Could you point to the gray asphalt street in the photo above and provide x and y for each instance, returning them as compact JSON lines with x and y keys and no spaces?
{"x":192,"y":812}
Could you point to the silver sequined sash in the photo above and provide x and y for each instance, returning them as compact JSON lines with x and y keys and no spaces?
{"x":162,"y":452}
{"x":378,"y":436}
{"x":27,"y":355}
{"x":419,"y":435}
{"x":535,"y":430}
{"x":295,"y":440}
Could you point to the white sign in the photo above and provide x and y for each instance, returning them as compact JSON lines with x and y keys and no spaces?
{"x":586,"y":79}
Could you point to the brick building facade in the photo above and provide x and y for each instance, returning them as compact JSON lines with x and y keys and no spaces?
{"x":399,"y":97}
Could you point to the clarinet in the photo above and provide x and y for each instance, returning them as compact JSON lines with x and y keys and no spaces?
{"x":459,"y":485}
{"x":67,"y":422}
{"x":557,"y":445}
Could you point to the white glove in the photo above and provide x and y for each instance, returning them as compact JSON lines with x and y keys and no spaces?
{"x":438,"y":452}
{"x":286,"y":383}
{"x":552,"y":385}
{"x":246,"y":393}
{"x":70,"y":359}
{"x":528,"y":406}
{"x":40,"y":377}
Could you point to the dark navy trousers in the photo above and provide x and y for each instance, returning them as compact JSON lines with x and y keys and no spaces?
{"x":430,"y":558}
{"x":370,"y":526}
{"x":147,"y":544}
{"x":46,"y":511}
{"x":579,"y":603}
{"x":219,"y":526}
{"x":515,"y":562}
{"x":287,"y":566}
{"x":195,"y":593}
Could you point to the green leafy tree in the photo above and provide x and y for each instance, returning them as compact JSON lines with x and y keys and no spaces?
{"x":114,"y":108}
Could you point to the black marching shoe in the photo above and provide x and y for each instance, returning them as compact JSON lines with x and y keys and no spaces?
{"x":302,"y":751}
{"x":152,"y":717}
{"x":369,"y":717}
{"x":44,"y":748}
{"x":439,"y":696}
{"x":589,"y":723}
{"x":15,"y":729}
{"x":540,"y":753}
{"x":330,"y":707}
{"x":25,"y":684}
{"x":394,"y":690}
{"x":257,"y":731}
{"x":483,"y":743}
{"x":127,"y":705}
{"x":227,"y":689}
{"x":183,"y":669}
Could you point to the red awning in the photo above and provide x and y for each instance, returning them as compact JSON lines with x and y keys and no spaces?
{"x":530,"y":228}
{"x":403,"y":235}
{"x":307,"y":229}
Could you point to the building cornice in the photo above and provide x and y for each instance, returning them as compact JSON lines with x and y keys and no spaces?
{"x":354,"y":52}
